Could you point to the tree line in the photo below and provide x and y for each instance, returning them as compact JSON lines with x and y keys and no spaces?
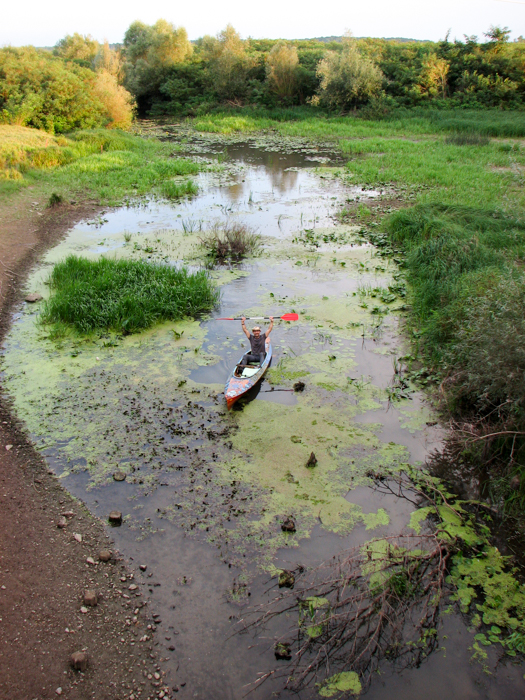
{"x":157,"y":70}
{"x":167,"y":74}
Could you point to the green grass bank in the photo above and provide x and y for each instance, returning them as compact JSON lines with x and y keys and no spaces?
{"x":109,"y":166}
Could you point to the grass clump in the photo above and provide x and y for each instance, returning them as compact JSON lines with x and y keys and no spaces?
{"x":123,"y":295}
{"x":231,"y":241}
{"x":171,"y":189}
{"x":467,"y":140}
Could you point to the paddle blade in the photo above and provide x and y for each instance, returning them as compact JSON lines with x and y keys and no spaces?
{"x":290,"y":317}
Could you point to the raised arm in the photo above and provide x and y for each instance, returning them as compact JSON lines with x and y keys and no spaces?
{"x":270,"y":328}
{"x":246,"y":332}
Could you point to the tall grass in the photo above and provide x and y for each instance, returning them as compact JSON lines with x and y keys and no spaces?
{"x":123,"y":295}
{"x":109,"y":165}
{"x":467,"y":290}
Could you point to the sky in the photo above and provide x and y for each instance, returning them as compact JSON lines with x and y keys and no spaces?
{"x":44,"y":23}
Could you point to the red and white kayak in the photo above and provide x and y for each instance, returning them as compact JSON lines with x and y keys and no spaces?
{"x":236,"y":386}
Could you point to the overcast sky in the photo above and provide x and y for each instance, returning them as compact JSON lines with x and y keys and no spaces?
{"x":44,"y":23}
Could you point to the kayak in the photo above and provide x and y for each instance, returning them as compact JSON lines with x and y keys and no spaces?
{"x":239,"y":383}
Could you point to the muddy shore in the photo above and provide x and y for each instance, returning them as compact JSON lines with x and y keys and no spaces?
{"x":45,"y":570}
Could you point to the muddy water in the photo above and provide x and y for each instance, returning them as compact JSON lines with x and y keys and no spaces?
{"x":206,"y":490}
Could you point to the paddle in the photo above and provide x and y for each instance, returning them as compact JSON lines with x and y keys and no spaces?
{"x":286,"y":317}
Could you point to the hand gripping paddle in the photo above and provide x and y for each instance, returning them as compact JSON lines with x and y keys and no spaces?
{"x":286,"y":317}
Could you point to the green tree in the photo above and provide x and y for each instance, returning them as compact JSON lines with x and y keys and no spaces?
{"x":347,"y":79}
{"x":282,"y":70}
{"x":150,"y":52}
{"x":75,"y":47}
{"x":434,"y":76}
{"x":228,"y":63}
{"x":41,"y":90}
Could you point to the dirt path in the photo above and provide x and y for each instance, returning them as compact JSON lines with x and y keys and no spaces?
{"x":45,"y":569}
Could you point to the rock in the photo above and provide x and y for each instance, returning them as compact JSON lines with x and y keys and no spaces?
{"x":119,"y":475}
{"x":79,"y":661}
{"x":286,"y":579}
{"x":77,"y":536}
{"x":288,"y":525}
{"x":68,"y":514}
{"x":31,"y":298}
{"x":143,"y":567}
{"x":104,"y":555}
{"x":91,"y":561}
{"x":133,"y":587}
{"x":58,"y":691}
{"x":83,"y":610}
{"x":61,"y":522}
{"x":312,"y":460}
{"x":282,"y":651}
{"x":90,"y":598}
{"x":515,"y":483}
{"x":9,"y":447}
{"x":299,"y":386}
{"x":115,"y":517}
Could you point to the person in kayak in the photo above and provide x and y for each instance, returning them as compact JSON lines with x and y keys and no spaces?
{"x":257,"y":343}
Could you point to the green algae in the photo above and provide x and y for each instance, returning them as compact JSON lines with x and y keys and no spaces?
{"x":98,"y":403}
{"x":345,"y":682}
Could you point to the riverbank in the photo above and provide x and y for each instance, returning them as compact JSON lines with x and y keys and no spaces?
{"x":46,"y":569}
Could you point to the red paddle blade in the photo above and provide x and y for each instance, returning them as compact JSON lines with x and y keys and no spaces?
{"x":290,"y":317}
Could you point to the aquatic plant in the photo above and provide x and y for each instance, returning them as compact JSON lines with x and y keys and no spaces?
{"x":382,"y":601}
{"x":123,"y":295}
{"x":230,"y":241}
{"x":175,"y":190}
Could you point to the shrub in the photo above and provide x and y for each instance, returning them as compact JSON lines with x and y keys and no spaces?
{"x":489,"y":347}
{"x":117,"y":101}
{"x":282,"y":63}
{"x":41,"y":90}
{"x":348,"y":79}
{"x":230,"y":241}
{"x":123,"y":295}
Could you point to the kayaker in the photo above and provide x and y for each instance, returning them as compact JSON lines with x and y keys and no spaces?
{"x":257,"y":343}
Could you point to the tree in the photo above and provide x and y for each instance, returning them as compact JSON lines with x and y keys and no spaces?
{"x":150,"y":52}
{"x":110,"y":61}
{"x":117,"y":102}
{"x":434,"y":75}
{"x":75,"y":47}
{"x":228,"y":63}
{"x":281,"y":68}
{"x":348,"y":79}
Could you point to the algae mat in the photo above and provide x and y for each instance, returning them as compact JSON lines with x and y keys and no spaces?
{"x":151,"y":404}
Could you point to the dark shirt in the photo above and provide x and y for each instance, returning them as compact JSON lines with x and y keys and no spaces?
{"x":258,"y":345}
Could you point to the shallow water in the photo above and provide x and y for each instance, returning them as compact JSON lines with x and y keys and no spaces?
{"x":207,"y":490}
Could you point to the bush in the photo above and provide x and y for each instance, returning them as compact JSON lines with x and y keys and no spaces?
{"x":118,"y":103}
{"x":44,"y":91}
{"x":348,"y":79}
{"x":231,"y":241}
{"x":123,"y":295}
{"x":490,"y":346}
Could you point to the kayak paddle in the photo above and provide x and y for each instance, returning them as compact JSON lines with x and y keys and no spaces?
{"x":286,"y":317}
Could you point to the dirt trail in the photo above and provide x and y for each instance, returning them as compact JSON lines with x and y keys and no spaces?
{"x":44,"y":569}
